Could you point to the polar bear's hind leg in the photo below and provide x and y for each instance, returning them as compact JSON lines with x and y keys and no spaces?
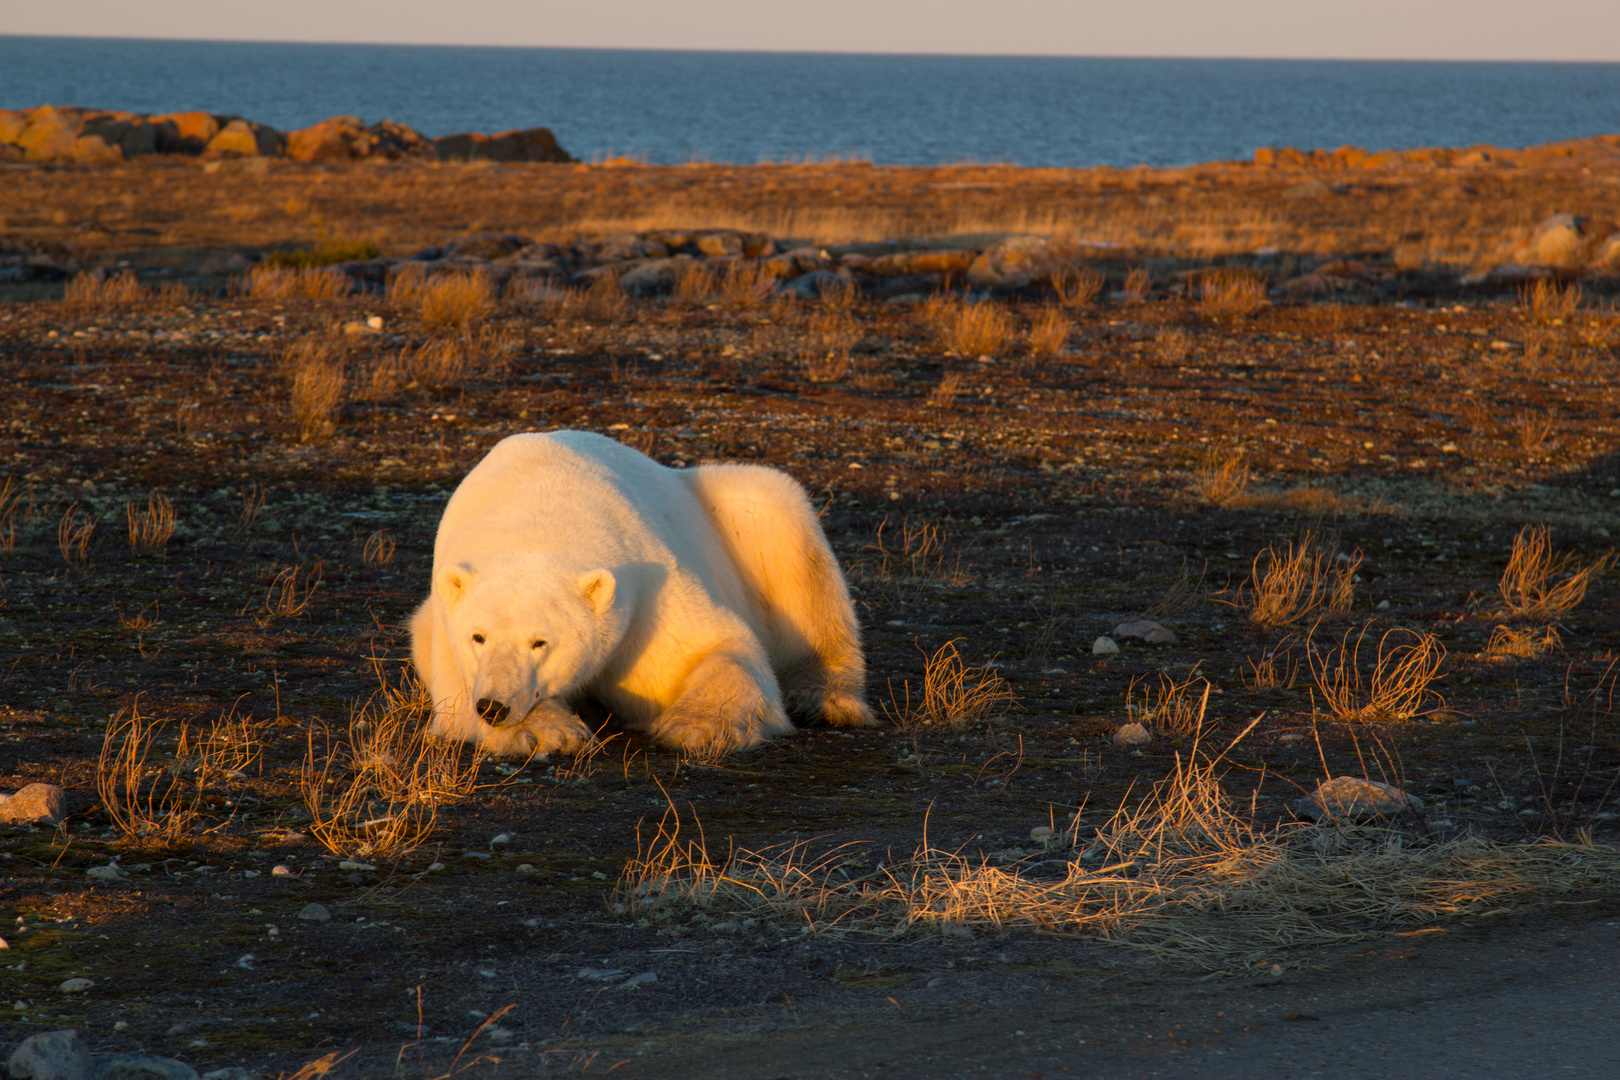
{"x":722,"y":708}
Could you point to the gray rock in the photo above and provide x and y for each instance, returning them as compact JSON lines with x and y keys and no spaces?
{"x":44,"y":804}
{"x":816,"y":284}
{"x":654,"y":276}
{"x":141,"y":1067}
{"x":315,"y":913}
{"x":1350,"y":798}
{"x":52,"y":1055}
{"x":1132,"y":735}
{"x":236,"y":1072}
{"x":1105,"y":646}
{"x":1146,"y":630}
{"x":110,"y":872}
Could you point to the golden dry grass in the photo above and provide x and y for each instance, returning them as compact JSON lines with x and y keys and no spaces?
{"x":11,"y":496}
{"x":969,"y":330}
{"x":1286,"y":584}
{"x":953,"y":695}
{"x":1173,"y":706}
{"x":90,"y":291}
{"x":272,"y":283}
{"x":744,"y":285}
{"x":1532,"y":430}
{"x":1276,"y":668}
{"x":1222,"y":476}
{"x":604,"y":301}
{"x":379,"y":549}
{"x":1138,"y":285}
{"x":1049,"y":332}
{"x":1526,"y":643}
{"x":1173,"y":344}
{"x":1399,"y":685}
{"x":75,"y":532}
{"x":150,"y":805}
{"x":444,"y":364}
{"x":291,"y":591}
{"x":150,"y":527}
{"x":1545,"y":301}
{"x":1077,"y":286}
{"x":314,"y":368}
{"x":1231,"y":294}
{"x":825,"y":344}
{"x":943,"y":395}
{"x":695,"y":285}
{"x":455,"y":300}
{"x":1541,"y":586}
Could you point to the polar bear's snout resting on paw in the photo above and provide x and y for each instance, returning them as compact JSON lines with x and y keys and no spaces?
{"x":699,"y":605}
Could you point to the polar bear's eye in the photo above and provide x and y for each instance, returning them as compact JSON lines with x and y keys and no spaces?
{"x":478,"y":639}
{"x":538,"y":644}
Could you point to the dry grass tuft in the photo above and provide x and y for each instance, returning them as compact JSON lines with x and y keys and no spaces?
{"x":1299,"y":579}
{"x":824,"y":347}
{"x":1049,"y":332}
{"x":1545,"y":301}
{"x":744,"y":285}
{"x":379,"y":549}
{"x":454,"y":300}
{"x":1173,"y":344}
{"x":696,"y":284}
{"x":90,"y":291}
{"x":377,"y":796}
{"x":314,"y":369}
{"x":151,"y":528}
{"x":1231,"y":294}
{"x":1532,"y":430}
{"x":1174,"y":707}
{"x":943,"y":395}
{"x":1222,"y":475}
{"x":968,"y":329}
{"x":1522,"y":644}
{"x":1399,"y":686}
{"x":151,"y":805}
{"x":292,"y":590}
{"x":272,"y":283}
{"x":1277,"y":669}
{"x":252,"y":505}
{"x":11,"y":499}
{"x":1077,"y":286}
{"x":1138,"y":285}
{"x":953,"y":695}
{"x":915,"y":550}
{"x":446,"y":363}
{"x":1540,"y":586}
{"x":74,"y":534}
{"x":604,"y":301}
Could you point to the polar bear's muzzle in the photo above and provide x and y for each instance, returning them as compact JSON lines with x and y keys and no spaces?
{"x":493,"y":712}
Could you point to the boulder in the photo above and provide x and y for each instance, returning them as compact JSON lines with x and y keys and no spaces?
{"x":790,"y":264}
{"x":654,"y":276}
{"x":1016,"y":262}
{"x":531,"y":144}
{"x":721,"y":245}
{"x":1105,"y":646}
{"x":50,"y":134}
{"x":1350,"y":798}
{"x":184,"y":132}
{"x":43,"y":804}
{"x":52,"y":1055}
{"x":816,"y":285}
{"x":348,"y":138}
{"x":485,"y":245}
{"x":1564,"y":240}
{"x":244,"y":138}
{"x":1146,"y":630}
{"x":141,"y":1067}
{"x":127,"y":133}
{"x":904,"y":263}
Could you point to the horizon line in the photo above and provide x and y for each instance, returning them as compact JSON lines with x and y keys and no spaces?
{"x":767,"y":51}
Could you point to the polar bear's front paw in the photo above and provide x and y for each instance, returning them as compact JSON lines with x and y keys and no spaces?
{"x":556,"y":729}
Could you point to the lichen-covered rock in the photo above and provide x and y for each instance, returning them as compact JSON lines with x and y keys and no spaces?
{"x":348,"y":138}
{"x":1350,"y":798}
{"x":1016,"y":262}
{"x":530,"y":144}
{"x":42,"y":804}
{"x":184,"y":132}
{"x":244,"y":138}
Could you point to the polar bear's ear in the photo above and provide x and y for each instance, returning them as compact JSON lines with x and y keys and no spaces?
{"x":453,"y":581}
{"x":597,"y":587}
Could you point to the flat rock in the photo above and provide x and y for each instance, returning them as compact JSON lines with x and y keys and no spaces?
{"x":1132,"y":735}
{"x":1350,"y":798}
{"x":1105,"y":646}
{"x":1015,"y":262}
{"x":141,"y":1067}
{"x":76,"y":986}
{"x":43,"y":804}
{"x":1146,"y":630}
{"x":315,"y":913}
{"x":52,"y":1055}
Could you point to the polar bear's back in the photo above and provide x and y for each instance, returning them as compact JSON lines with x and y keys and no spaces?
{"x":579,"y":496}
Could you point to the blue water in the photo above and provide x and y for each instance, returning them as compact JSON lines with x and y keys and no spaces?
{"x":915,"y":110}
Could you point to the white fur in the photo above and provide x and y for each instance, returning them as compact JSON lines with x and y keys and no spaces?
{"x":683,"y":601}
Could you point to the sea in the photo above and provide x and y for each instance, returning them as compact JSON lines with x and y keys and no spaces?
{"x":669,"y":107}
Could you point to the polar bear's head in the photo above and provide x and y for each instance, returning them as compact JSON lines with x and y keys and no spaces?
{"x":524,"y":630}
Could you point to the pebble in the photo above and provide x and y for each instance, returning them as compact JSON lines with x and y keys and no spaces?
{"x":503,"y":838}
{"x":355,"y":864}
{"x":52,"y":1055}
{"x":1132,"y":735}
{"x":315,"y":913}
{"x":1350,"y":798}
{"x":1042,"y":833}
{"x":1146,"y":630}
{"x":110,"y":872}
{"x":281,"y":870}
{"x":526,"y":868}
{"x":476,"y":855}
{"x":1105,"y":646}
{"x":233,"y":1072}
{"x":76,"y":986}
{"x":43,"y":804}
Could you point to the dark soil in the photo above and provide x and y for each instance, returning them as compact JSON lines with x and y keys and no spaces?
{"x":1061,"y":488}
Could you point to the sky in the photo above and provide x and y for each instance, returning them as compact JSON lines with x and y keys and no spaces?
{"x":1301,"y":29}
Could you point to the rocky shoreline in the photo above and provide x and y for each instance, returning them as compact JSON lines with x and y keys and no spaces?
{"x":108,"y":137}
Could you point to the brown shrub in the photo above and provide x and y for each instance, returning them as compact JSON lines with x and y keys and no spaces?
{"x":1077,"y":286}
{"x":1545,"y":301}
{"x":454,"y":300}
{"x":1231,"y":294}
{"x":968,"y":329}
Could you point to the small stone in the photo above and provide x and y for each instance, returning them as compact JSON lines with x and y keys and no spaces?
{"x":435,"y":867}
{"x":315,"y":913}
{"x":355,"y":864}
{"x":1105,"y":646}
{"x":122,"y":1025}
{"x":141,"y":1067}
{"x":1350,"y":798}
{"x":646,"y":978}
{"x":476,"y":855}
{"x":1146,"y":630}
{"x":281,"y":870}
{"x":250,"y":873}
{"x":44,"y":804}
{"x":1383,"y":605}
{"x":110,"y":872}
{"x":526,"y":869}
{"x":503,"y":838}
{"x":76,"y":986}
{"x":246,"y":961}
{"x":52,"y":1055}
{"x":1132,"y":735}
{"x":374,"y":321}
{"x":1041,"y":833}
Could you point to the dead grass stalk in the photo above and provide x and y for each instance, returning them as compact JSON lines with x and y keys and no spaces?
{"x":1049,"y":332}
{"x":314,"y":367}
{"x":968,"y":329}
{"x":1231,"y":294}
{"x":151,"y":528}
{"x":1399,"y":685}
{"x":1222,"y":476}
{"x":954,"y":695}
{"x":1540,"y":586}
{"x":74,"y":534}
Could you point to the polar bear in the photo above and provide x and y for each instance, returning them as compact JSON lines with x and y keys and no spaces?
{"x":701,"y":605}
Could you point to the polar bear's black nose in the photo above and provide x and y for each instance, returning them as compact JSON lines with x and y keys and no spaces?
{"x":493,"y":711}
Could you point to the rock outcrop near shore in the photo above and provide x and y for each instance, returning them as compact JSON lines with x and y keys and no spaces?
{"x":106,"y":137}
